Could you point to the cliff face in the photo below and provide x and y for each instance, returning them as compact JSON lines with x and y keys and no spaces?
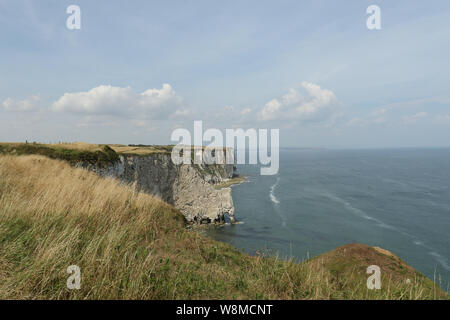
{"x":190,"y":188}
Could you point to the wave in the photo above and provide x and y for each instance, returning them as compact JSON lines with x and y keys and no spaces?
{"x":439,"y":258}
{"x":228,"y":224}
{"x":272,"y":196}
{"x":276,"y":202}
{"x":358,"y":211}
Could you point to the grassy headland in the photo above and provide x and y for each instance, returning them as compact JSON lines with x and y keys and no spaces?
{"x":72,"y":153}
{"x":130,"y":245}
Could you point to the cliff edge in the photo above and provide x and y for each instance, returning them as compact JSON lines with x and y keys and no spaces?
{"x":193,"y":189}
{"x":189,"y":188}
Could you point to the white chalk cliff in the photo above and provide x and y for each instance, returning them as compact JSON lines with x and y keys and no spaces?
{"x":190,"y":188}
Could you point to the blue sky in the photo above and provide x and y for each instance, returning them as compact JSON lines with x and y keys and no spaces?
{"x":136,"y":70}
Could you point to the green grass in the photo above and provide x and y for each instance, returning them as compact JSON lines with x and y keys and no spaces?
{"x":103,"y":155}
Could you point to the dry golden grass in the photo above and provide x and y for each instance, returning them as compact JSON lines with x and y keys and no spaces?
{"x":76,"y":146}
{"x":79,"y":146}
{"x":83,"y":146}
{"x":139,"y":150}
{"x":131,"y":245}
{"x":119,"y":148}
{"x":52,"y":215}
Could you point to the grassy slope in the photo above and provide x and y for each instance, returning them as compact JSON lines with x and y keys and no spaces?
{"x":133,"y":246}
{"x":80,"y":151}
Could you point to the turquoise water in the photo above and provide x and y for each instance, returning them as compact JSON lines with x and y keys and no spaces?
{"x":320,"y":199}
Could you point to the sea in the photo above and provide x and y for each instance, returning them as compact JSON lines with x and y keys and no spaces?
{"x":397,"y":199}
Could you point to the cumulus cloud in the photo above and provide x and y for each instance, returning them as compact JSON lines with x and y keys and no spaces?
{"x":118,"y":101}
{"x":25,"y":105}
{"x":310,"y":103}
{"x":317,"y":105}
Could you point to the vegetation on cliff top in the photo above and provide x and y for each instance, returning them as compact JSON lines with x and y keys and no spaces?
{"x":101,"y":155}
{"x":230,"y":182}
{"x":141,"y":150}
{"x":130,"y":245}
{"x":81,"y":151}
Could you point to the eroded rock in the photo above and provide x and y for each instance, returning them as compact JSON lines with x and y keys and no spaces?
{"x":190,"y":188}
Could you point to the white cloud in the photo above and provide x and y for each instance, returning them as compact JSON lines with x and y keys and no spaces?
{"x":271,"y":110}
{"x":117,"y":101}
{"x":22,"y":105}
{"x":317,"y":105}
{"x":99,"y":100}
